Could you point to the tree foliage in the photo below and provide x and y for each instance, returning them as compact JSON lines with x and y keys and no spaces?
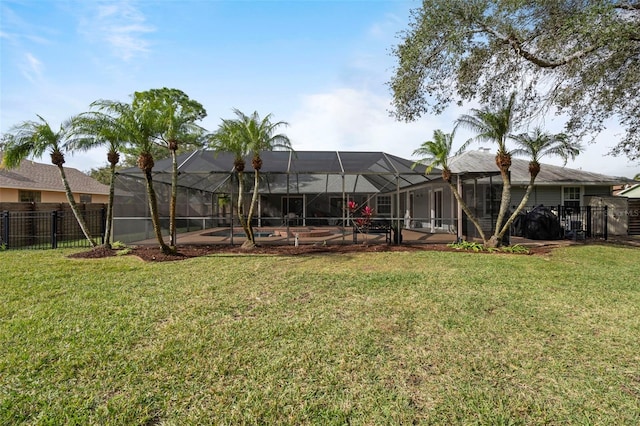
{"x":35,"y":138}
{"x":436,"y":153}
{"x":93,"y":129}
{"x":580,"y":57}
{"x":139,"y":126}
{"x":173,"y":119}
{"x":244,"y":135}
{"x":101,"y":174}
{"x":495,"y":125}
{"x":172,"y":115}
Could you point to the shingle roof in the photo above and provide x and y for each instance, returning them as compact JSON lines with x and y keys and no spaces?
{"x":479,"y":162}
{"x":46,"y":177}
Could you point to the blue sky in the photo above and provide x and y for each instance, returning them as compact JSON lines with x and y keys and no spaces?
{"x":321,"y":66}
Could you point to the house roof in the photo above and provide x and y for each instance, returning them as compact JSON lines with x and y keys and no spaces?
{"x":632,"y":192}
{"x":33,"y":176}
{"x":296,"y":171}
{"x":482,"y":163}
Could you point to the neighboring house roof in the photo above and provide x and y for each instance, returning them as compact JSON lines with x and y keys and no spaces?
{"x":631,"y":192}
{"x":483,"y":163}
{"x":33,"y":176}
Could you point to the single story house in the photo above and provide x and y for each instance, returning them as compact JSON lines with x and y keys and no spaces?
{"x":312,"y":188}
{"x":41,"y":183}
{"x":480,"y":183}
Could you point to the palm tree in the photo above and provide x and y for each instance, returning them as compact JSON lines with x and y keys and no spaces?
{"x":175,"y":122}
{"x":138,"y":126}
{"x":93,"y":129}
{"x":536,"y":145}
{"x":34,"y":138}
{"x":259,"y":135}
{"x":228,"y":138}
{"x":495,"y":126}
{"x":435,"y":154}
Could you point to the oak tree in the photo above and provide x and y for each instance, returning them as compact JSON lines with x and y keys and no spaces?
{"x":580,"y":58}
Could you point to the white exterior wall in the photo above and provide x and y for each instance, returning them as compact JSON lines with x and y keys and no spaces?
{"x":540,"y":195}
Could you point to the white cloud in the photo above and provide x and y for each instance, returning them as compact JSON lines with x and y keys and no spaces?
{"x":351,"y":120}
{"x":356,"y":120}
{"x":121,"y":26}
{"x":32,"y":68}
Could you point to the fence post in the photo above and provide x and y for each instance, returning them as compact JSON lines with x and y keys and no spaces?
{"x":589,"y":220}
{"x":54,"y":229}
{"x":103,"y":223}
{"x":5,"y":230}
{"x":606,"y":223}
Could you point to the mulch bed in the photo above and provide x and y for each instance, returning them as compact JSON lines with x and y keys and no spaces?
{"x":153,"y":253}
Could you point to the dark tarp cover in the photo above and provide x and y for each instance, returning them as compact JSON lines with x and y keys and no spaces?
{"x":539,"y":224}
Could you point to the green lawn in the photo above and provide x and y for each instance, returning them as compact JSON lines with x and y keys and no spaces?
{"x":376,"y":338}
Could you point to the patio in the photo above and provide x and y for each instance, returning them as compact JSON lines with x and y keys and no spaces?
{"x":306,"y":235}
{"x":304,"y":190}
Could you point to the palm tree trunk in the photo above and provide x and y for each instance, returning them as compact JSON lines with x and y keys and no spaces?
{"x":74,"y":207}
{"x":174,"y":198}
{"x":109,"y":224}
{"x":241,"y":218}
{"x":468,"y":212}
{"x":494,"y":241}
{"x":254,"y":200}
{"x":153,"y":208}
{"x":523,"y":203}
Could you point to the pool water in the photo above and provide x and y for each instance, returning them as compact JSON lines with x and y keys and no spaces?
{"x":226,"y":233}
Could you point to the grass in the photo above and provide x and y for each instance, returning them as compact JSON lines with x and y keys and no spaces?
{"x":378,"y":338}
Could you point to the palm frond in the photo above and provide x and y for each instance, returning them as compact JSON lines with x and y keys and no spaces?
{"x":491,"y":125}
{"x":538,"y":144}
{"x":31,"y":139}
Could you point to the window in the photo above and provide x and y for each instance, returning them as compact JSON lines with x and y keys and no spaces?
{"x":383,"y":205}
{"x":85,"y":198}
{"x":571,"y":196}
{"x":29,"y":196}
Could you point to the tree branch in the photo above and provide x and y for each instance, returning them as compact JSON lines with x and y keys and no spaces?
{"x":517,"y":47}
{"x":629,"y":6}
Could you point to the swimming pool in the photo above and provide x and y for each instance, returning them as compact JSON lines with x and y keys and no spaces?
{"x":227,"y":233}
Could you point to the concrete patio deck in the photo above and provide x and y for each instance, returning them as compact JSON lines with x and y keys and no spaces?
{"x":306,"y":235}
{"x":328,"y":235}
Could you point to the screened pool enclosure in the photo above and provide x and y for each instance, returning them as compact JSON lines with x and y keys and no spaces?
{"x":297,"y":189}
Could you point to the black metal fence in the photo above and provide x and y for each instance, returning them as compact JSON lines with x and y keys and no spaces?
{"x":584,"y":222}
{"x":49,"y":229}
